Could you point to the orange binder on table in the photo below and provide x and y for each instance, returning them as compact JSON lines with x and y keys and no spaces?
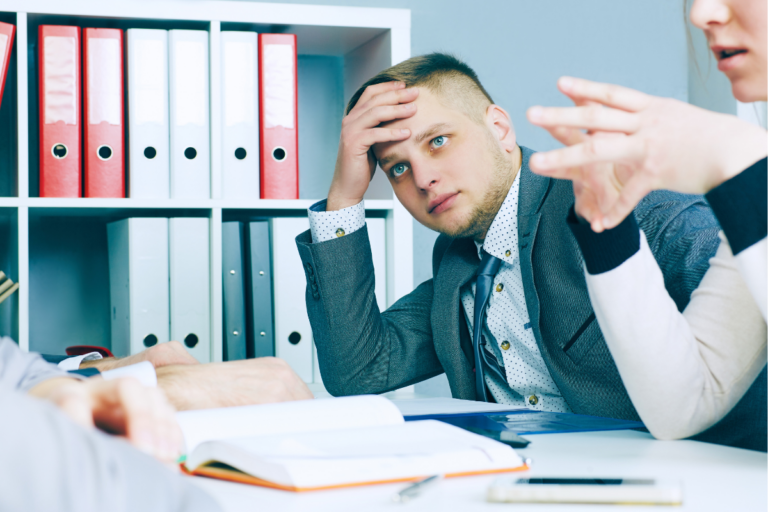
{"x":59,"y":71}
{"x":6,"y":44}
{"x":103,"y":153}
{"x":278,"y":113}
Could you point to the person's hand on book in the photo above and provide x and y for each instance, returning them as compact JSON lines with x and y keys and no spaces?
{"x":251,"y":381}
{"x":162,"y":354}
{"x":123,"y":407}
{"x":360,"y":129}
{"x":648,"y":142}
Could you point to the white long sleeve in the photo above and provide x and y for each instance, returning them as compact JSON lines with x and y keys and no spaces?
{"x":683,"y":371}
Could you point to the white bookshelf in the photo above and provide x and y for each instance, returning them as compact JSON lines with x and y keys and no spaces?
{"x":61,"y":243}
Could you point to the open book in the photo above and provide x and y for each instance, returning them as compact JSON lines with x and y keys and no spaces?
{"x":330,"y":443}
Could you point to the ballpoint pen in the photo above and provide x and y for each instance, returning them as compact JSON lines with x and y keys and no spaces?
{"x":414,"y":489}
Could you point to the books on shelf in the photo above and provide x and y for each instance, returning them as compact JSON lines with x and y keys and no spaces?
{"x":189,"y":100}
{"x":278,"y":110}
{"x":159,"y":284}
{"x":104,"y":170}
{"x":167,"y":126}
{"x":7,"y":32}
{"x":60,"y":126}
{"x":148,"y":136}
{"x":240,"y":115}
{"x":331,"y":443}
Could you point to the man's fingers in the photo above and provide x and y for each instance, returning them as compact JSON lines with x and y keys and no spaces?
{"x":393,"y":97}
{"x":379,"y":135}
{"x":632,"y":193}
{"x":591,"y":117}
{"x":593,"y":150}
{"x":606,"y":94}
{"x":382,"y":114}
{"x":373,"y":90}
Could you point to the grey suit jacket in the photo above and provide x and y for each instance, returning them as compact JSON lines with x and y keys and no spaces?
{"x":423,"y":334}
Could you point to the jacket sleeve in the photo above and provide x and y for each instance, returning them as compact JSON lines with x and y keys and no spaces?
{"x":50,"y":463}
{"x":682,"y":234}
{"x":24,"y":370}
{"x":360,"y":349}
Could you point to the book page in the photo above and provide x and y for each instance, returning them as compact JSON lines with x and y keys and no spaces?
{"x":285,"y":418}
{"x":369,"y":454}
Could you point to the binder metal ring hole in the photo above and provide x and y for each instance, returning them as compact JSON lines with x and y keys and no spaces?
{"x":191,"y":340}
{"x":294,"y":338}
{"x":190,"y":153}
{"x":150,"y":340}
{"x":104,"y":152}
{"x":150,"y":152}
{"x":279,"y":154}
{"x":241,"y":153}
{"x":59,"y":151}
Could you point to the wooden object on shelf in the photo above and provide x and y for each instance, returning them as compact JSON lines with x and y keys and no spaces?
{"x":7,"y":287}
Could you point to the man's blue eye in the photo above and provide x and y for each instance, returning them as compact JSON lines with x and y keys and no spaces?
{"x":438,"y":141}
{"x":399,"y":169}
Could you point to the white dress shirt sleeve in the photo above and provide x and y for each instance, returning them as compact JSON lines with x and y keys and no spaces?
{"x":144,"y":372}
{"x":326,"y":226}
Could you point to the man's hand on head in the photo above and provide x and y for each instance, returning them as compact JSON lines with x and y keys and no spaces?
{"x":162,"y":354}
{"x":360,"y":129}
{"x":123,"y":407}
{"x":251,"y":381}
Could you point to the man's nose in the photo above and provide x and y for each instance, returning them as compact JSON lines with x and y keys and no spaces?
{"x":705,"y":13}
{"x":425,"y":176}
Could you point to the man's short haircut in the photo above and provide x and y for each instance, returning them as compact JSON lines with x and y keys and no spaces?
{"x":452,"y":81}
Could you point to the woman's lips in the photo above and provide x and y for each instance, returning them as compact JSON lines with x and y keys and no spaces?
{"x":443,"y":203}
{"x":729,"y":63}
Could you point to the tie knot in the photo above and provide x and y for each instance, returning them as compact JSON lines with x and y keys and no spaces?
{"x":489,"y":265}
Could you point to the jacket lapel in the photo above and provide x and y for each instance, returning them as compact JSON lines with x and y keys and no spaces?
{"x":457,"y":268}
{"x":533,"y":191}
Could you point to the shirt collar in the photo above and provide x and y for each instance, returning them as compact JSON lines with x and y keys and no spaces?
{"x":501,"y":238}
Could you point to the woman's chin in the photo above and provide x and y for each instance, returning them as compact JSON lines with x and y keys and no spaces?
{"x":749,"y":89}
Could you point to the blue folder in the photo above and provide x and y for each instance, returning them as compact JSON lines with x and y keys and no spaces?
{"x":531,"y":422}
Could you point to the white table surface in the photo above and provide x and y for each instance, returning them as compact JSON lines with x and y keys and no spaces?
{"x":714,"y":478}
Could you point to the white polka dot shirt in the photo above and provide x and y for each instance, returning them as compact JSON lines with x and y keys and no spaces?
{"x":507,"y":325}
{"x":529,"y":383}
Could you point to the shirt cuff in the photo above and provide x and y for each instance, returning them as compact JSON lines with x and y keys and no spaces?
{"x":144,"y":372}
{"x":741,"y":206}
{"x":326,"y":226}
{"x":73,"y":363}
{"x":605,"y":251}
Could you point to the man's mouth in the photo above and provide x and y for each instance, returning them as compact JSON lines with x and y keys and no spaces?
{"x":441,"y":202}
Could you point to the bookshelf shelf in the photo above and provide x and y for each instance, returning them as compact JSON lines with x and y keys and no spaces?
{"x":56,"y":247}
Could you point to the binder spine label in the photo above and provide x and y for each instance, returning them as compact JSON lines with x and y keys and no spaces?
{"x":278,"y":84}
{"x":104,"y":87}
{"x":60,"y":81}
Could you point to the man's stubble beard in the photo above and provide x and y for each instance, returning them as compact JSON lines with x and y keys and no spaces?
{"x":481,"y":217}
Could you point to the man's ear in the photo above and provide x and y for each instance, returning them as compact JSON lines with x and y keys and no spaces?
{"x":501,"y":126}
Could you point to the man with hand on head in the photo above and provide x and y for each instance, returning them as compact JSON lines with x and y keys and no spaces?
{"x":54,"y":459}
{"x":507,"y":314}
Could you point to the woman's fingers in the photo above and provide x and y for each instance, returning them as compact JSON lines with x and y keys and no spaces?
{"x":591,"y":117}
{"x":631,"y":194}
{"x":566,"y":136}
{"x":607,"y":94}
{"x":592,"y":151}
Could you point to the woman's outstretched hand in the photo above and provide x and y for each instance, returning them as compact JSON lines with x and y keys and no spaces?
{"x":634,"y":143}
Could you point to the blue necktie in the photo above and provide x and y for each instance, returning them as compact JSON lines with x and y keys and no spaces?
{"x":489,"y":266}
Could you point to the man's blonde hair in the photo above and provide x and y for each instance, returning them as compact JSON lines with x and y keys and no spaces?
{"x":452,"y":81}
